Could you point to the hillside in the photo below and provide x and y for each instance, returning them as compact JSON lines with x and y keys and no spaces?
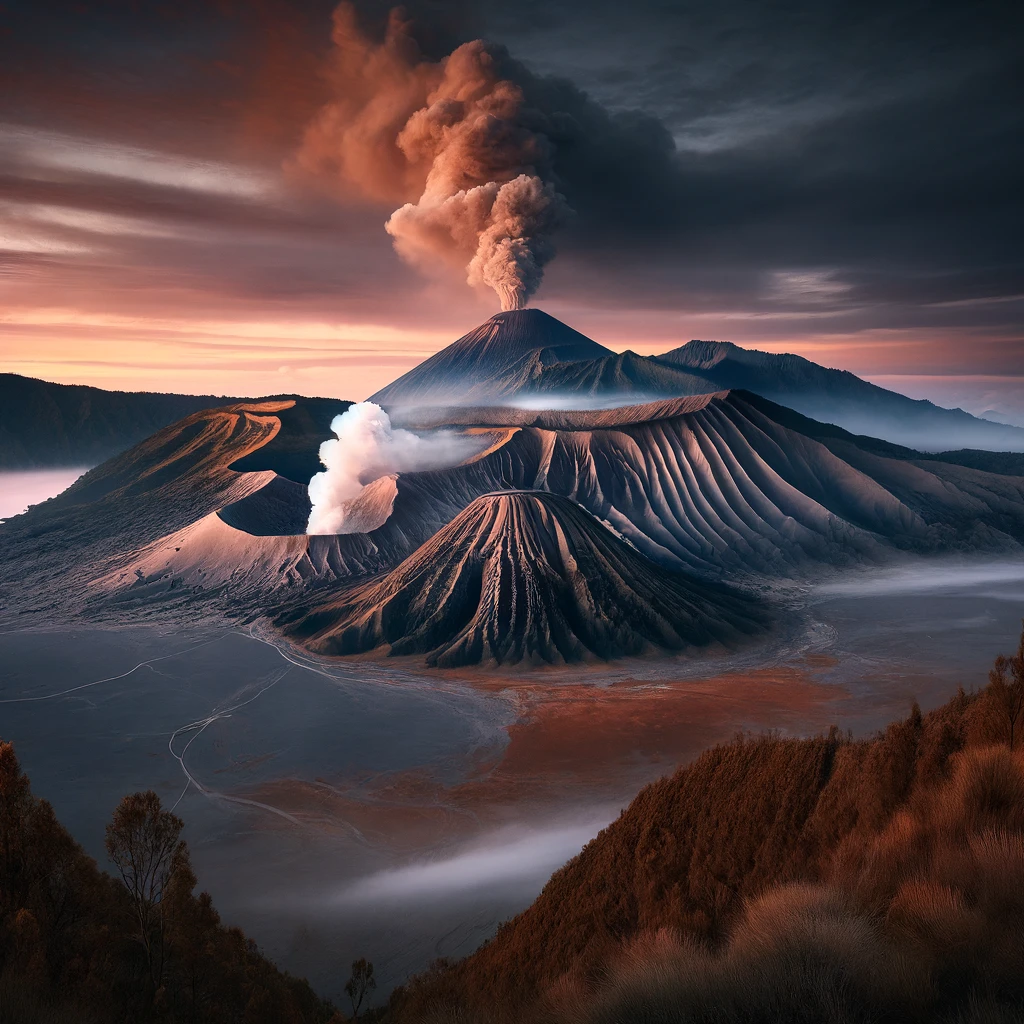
{"x":783,"y":879}
{"x":177,"y":479}
{"x":728,"y":485}
{"x":44,"y":424}
{"x":78,"y":945}
{"x":529,"y":359}
{"x":526,"y":576}
{"x":838,"y":396}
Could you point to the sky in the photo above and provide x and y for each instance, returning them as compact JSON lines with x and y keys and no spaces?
{"x":840,"y":180}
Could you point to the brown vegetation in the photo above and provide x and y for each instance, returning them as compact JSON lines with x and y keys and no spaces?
{"x":824,"y":880}
{"x":821,"y":880}
{"x":79,"y":945}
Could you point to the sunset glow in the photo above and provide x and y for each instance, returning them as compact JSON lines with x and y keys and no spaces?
{"x":187,"y":239}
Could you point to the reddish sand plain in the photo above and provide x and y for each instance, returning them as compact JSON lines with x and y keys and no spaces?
{"x":570,"y":744}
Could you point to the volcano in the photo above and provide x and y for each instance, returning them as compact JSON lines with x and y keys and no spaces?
{"x":212,"y":510}
{"x":526,"y":355}
{"x":528,"y":358}
{"x":498,"y":358}
{"x":527,"y":576}
{"x":557,"y":541}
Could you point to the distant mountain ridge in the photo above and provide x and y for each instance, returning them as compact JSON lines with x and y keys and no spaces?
{"x":841,"y":397}
{"x":44,"y":424}
{"x":524,"y":358}
{"x":528,"y":358}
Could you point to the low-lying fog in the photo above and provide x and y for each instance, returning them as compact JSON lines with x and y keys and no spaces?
{"x":21,"y":488}
{"x":516,"y":860}
{"x":344,"y":810}
{"x":987,"y":578}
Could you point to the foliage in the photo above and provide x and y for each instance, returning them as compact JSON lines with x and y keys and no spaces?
{"x":1006,"y":713}
{"x":360,"y":984}
{"x":78,"y":945}
{"x":142,"y":843}
{"x":824,"y":880}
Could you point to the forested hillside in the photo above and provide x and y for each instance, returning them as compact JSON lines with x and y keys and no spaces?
{"x":78,"y":945}
{"x":780,"y":879}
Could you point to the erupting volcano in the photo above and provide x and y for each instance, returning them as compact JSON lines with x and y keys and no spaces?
{"x":469,"y":517}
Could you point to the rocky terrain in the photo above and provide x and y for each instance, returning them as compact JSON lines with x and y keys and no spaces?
{"x":526,"y":576}
{"x":448,"y":564}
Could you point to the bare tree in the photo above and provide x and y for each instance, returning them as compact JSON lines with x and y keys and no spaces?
{"x":360,"y":984}
{"x":1007,"y":689}
{"x":143,"y":843}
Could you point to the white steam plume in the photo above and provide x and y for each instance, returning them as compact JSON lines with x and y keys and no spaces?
{"x":367,"y":448}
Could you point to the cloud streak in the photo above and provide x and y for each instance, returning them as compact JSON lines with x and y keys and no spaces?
{"x":510,"y":860}
{"x":954,"y":577}
{"x":861,"y":147}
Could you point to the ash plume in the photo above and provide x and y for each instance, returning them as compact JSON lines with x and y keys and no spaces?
{"x":452,"y":139}
{"x":366,"y":447}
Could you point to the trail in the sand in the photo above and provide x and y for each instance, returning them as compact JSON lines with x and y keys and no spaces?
{"x":109,"y":679}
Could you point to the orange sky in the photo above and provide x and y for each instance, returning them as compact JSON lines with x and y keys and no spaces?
{"x":155,"y":235}
{"x":335,"y":358}
{"x":130,"y":267}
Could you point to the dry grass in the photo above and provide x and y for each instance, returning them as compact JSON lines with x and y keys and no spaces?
{"x":931,"y":927}
{"x":800,"y":953}
{"x":823,"y":881}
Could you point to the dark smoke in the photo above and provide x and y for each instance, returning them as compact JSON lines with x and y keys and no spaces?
{"x":483,"y":154}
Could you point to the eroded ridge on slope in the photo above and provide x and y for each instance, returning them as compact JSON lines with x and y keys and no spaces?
{"x":725,"y":485}
{"x":527,"y":576}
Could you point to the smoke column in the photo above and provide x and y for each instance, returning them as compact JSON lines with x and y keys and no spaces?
{"x":365,"y":448}
{"x":449,"y":139}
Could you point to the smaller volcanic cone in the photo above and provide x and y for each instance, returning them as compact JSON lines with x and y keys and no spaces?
{"x":527,"y":576}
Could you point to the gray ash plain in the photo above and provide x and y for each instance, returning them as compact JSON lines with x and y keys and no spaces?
{"x":340,"y":809}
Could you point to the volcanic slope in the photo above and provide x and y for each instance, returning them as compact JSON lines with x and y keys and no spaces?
{"x":530,"y":359}
{"x":840,"y":397}
{"x":728,"y":483}
{"x":503,"y":357}
{"x":528,"y":356}
{"x":214,"y":508}
{"x":176,"y":480}
{"x":44,"y":424}
{"x":527,"y":576}
{"x":725,"y":485}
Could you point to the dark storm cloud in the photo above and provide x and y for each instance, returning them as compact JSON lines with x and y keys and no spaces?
{"x":853,"y":164}
{"x":881,"y":143}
